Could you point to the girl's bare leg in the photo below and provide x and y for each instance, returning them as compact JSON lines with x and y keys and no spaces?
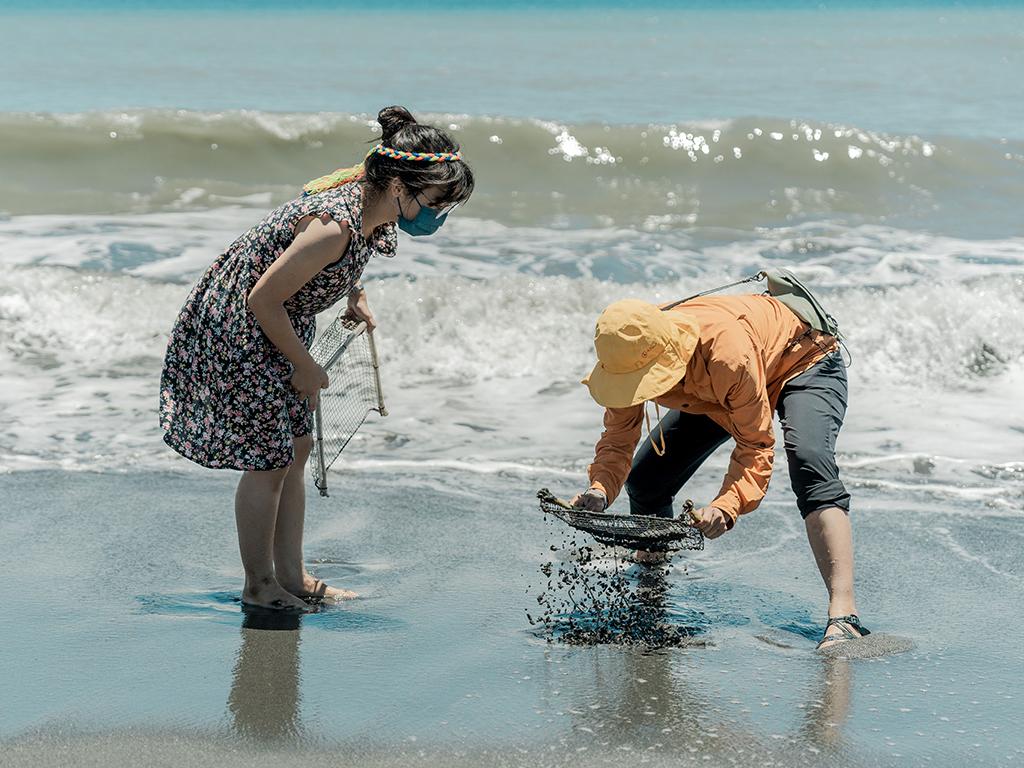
{"x":256,"y":502}
{"x":291,"y":515}
{"x":831,"y":539}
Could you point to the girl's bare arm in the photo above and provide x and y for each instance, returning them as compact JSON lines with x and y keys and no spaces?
{"x":318,"y":242}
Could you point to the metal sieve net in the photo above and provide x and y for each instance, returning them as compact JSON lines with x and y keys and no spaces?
{"x":345,"y":350}
{"x":634,"y":531}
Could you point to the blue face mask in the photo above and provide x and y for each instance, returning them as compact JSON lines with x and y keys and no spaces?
{"x":426,"y":222}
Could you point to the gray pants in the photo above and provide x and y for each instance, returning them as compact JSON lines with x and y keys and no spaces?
{"x":811,"y":407}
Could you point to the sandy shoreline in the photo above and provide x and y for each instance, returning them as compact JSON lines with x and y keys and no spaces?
{"x":138,"y":652}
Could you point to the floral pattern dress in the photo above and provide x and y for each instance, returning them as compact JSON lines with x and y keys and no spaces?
{"x":226,"y":399}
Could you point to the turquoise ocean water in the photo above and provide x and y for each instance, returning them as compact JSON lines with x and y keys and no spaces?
{"x":933,"y":68}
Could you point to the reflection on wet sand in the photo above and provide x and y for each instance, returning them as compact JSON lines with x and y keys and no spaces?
{"x":264,"y":698}
{"x":641,"y":700}
{"x":638,"y":698}
{"x":827,"y":712}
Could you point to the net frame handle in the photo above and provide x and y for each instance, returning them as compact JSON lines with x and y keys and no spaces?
{"x":381,"y":408}
{"x":319,"y":422}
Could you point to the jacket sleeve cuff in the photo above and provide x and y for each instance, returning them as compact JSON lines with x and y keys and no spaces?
{"x":607,"y":488}
{"x":728,"y":506}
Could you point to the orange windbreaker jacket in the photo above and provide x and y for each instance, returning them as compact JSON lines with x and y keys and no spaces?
{"x":749,"y":347}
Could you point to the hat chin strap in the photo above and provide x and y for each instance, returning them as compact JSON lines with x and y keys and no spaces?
{"x":661,"y":432}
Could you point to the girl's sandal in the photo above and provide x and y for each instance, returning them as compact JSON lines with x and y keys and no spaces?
{"x":844,"y":623}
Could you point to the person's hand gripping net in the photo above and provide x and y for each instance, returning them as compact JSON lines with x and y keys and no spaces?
{"x":592,"y":500}
{"x":711,"y":521}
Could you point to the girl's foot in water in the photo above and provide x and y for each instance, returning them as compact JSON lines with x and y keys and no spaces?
{"x":314,"y":589}
{"x":269,"y":594}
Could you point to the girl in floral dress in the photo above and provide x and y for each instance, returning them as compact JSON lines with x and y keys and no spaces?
{"x":239,"y":385}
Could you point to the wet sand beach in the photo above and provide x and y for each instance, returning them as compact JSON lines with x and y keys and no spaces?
{"x":128,"y":644}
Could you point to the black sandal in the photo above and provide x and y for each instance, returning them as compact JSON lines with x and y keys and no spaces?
{"x":840,"y":621}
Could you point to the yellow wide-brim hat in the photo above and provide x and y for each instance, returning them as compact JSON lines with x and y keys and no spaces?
{"x":642,"y":352}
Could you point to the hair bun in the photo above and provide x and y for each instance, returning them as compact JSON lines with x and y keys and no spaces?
{"x":392,"y":120}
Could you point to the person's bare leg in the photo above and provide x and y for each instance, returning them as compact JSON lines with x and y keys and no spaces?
{"x":291,"y":516}
{"x":831,"y":540}
{"x":256,"y":502}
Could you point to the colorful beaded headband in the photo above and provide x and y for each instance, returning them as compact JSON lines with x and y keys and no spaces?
{"x":358,"y":173}
{"x":426,"y":157}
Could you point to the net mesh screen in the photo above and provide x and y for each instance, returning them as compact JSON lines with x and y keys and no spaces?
{"x":633,"y":531}
{"x":345,"y":351}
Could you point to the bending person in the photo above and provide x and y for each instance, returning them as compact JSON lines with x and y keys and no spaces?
{"x":723,"y":366}
{"x":239,"y":384}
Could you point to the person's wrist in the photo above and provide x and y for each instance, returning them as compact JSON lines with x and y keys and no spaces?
{"x":307,"y":364}
{"x":730,"y":521}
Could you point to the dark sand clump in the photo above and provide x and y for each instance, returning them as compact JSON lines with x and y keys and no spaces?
{"x":592,"y":597}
